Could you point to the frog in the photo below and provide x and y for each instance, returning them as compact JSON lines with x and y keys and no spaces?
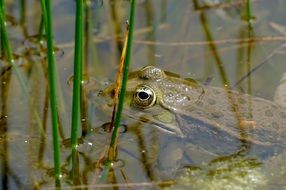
{"x":217,"y":121}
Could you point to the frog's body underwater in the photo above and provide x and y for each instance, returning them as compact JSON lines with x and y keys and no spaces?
{"x":215,"y":119}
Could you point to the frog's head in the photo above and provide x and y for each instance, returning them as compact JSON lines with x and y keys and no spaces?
{"x":157,"y":96}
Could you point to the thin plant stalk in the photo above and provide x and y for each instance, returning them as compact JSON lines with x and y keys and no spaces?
{"x":4,"y":35}
{"x":257,"y":67}
{"x":248,"y":11}
{"x":46,"y":11}
{"x":250,"y":46}
{"x":78,"y":59}
{"x":2,"y":7}
{"x":41,"y":29}
{"x":249,"y":18}
{"x":22,"y":11}
{"x":124,"y":78}
{"x":2,"y":45}
{"x":23,"y":17}
{"x":118,"y":78}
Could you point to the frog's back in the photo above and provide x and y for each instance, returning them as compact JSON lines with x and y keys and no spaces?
{"x":224,"y":120}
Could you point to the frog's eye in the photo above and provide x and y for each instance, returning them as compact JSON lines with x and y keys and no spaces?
{"x":144,"y":97}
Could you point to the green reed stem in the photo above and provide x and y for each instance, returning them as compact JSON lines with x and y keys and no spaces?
{"x":2,"y":46}
{"x":125,"y":74}
{"x":43,"y":20}
{"x":250,"y":46}
{"x":4,"y":35}
{"x":46,"y":11}
{"x":249,"y":18}
{"x":41,"y":29}
{"x":22,"y":11}
{"x":248,"y":10}
{"x":77,"y":77}
{"x":2,"y":7}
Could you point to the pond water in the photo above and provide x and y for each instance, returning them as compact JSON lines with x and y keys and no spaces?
{"x":209,"y":41}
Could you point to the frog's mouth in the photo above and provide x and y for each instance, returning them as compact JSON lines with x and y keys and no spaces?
{"x":170,"y":129}
{"x":165,"y":121}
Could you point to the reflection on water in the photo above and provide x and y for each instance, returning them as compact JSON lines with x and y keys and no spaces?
{"x":196,"y":39}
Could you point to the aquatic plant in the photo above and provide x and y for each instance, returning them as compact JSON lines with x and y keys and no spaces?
{"x":47,"y":17}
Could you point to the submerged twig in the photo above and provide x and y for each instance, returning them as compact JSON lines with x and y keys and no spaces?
{"x":259,"y":65}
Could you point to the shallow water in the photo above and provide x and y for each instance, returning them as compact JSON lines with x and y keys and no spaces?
{"x":174,"y":36}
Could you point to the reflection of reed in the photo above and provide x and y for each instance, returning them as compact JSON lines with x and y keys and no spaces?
{"x":144,"y":152}
{"x":86,"y":51}
{"x":252,"y":70}
{"x":116,"y":24}
{"x":257,"y":39}
{"x":248,"y":63}
{"x":23,"y":19}
{"x":42,"y":144}
{"x":150,"y":36}
{"x":84,"y":113}
{"x":87,"y":35}
{"x":245,"y":144}
{"x":75,"y":170}
{"x":3,"y":130}
{"x":94,"y":164}
{"x":249,"y":47}
{"x":222,"y":5}
{"x":163,"y":16}
{"x":4,"y":149}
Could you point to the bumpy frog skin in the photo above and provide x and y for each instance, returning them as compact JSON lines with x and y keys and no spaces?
{"x":209,"y":116}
